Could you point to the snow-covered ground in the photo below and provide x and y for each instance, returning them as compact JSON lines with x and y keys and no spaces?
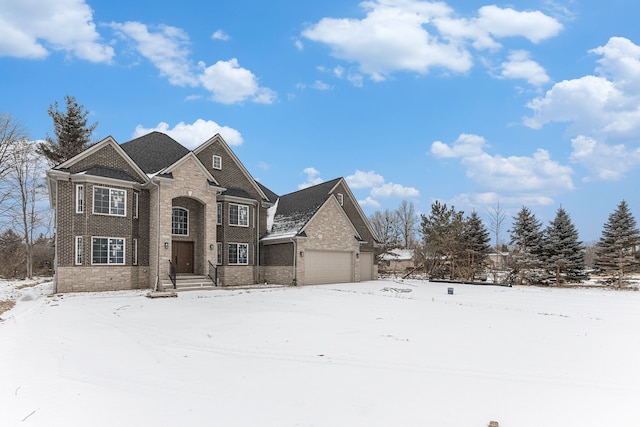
{"x":369,"y":354}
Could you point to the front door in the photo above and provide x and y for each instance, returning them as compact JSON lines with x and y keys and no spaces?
{"x":182,"y":254}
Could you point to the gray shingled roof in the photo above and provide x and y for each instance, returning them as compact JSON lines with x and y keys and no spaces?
{"x":297,"y":208}
{"x":154,"y":151}
{"x":271,"y":196}
{"x":109,"y":173}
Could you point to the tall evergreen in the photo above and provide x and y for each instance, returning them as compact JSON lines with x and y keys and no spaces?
{"x":442,"y":235}
{"x":476,"y":238}
{"x":72,"y":134}
{"x":563,"y":253}
{"x":615,"y":251}
{"x":526,"y":239}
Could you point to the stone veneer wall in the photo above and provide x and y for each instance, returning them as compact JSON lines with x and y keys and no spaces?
{"x":278,"y":275}
{"x":101,"y":278}
{"x":236,"y":275}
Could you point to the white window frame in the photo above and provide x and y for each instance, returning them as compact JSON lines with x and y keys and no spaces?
{"x":135,"y":252}
{"x":110,"y":241}
{"x":213,"y":162}
{"x":112,"y":193}
{"x":186,"y":216}
{"x":237,"y":246}
{"x":79,"y":250}
{"x":219,"y":211}
{"x":237,"y":216}
{"x":135,"y":204}
{"x":340,"y":197}
{"x":219,"y":253}
{"x":80,"y":198}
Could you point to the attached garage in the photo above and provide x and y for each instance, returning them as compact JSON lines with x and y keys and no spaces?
{"x":323,"y":267}
{"x":366,"y":266}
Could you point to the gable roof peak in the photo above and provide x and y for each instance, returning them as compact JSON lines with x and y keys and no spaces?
{"x":154,"y":151}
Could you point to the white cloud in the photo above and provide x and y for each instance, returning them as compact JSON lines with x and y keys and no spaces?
{"x":520,"y":66}
{"x":168,"y":50}
{"x":194,"y":134}
{"x":531,"y":177}
{"x":33,"y":29}
{"x":390,"y":189}
{"x":606,"y":162}
{"x":166,"y":47}
{"x":414,"y":35}
{"x":313,"y":178}
{"x":362,"y":179}
{"x":220,"y":35}
{"x":369,"y":202}
{"x":229,"y":83}
{"x":533,"y":25}
{"x":603,"y":110}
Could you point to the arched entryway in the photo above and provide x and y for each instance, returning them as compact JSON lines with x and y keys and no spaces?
{"x":188,"y":235}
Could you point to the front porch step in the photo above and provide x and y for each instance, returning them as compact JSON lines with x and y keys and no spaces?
{"x":188,"y":282}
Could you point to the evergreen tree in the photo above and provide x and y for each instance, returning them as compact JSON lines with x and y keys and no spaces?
{"x":563,"y":253}
{"x":72,"y":134}
{"x":615,"y":251}
{"x":476,"y":238}
{"x":442,"y":235}
{"x":526,"y":238}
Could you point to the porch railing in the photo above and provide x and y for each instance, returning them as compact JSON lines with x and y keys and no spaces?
{"x":213,"y":273}
{"x":172,"y":273}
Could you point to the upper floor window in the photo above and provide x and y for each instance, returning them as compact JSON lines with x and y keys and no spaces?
{"x":107,"y":250}
{"x":217,"y":162}
{"x":238,"y":215}
{"x":79,"y":198}
{"x":219,"y":214}
{"x":180,"y":222}
{"x":109,"y":201}
{"x":340,"y":199}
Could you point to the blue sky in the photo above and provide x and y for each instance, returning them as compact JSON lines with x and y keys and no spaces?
{"x":533,"y":103}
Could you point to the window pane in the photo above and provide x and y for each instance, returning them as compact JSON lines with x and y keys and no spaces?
{"x":101,"y":200}
{"x":117,"y":202}
{"x":79,"y":198}
{"x":179,"y":222}
{"x":219,"y":248}
{"x":99,"y":251}
{"x":233,"y":253}
{"x":219,"y":218}
{"x":243,"y":215}
{"x":233,"y":214}
{"x":116,"y":251}
{"x":243,"y":250}
{"x":79,"y":250}
{"x":135,"y":205}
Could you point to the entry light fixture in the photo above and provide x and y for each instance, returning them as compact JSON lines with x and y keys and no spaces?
{"x":211,"y":247}
{"x":166,"y":245}
{"x":301,"y":254}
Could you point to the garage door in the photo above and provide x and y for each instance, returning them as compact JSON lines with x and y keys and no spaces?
{"x":328,"y":267}
{"x":366,"y":266}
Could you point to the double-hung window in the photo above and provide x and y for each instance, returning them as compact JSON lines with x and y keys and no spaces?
{"x":239,"y":215}
{"x":217,"y":162}
{"x":80,"y":198}
{"x":179,"y":222}
{"x":107,"y":250}
{"x":238,"y":253}
{"x":219,"y":214}
{"x":109,"y":201}
{"x":135,"y":204}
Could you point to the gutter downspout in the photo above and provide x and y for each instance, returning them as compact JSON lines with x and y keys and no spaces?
{"x":157,"y":284}
{"x":295,"y":259}
{"x":256,"y":276}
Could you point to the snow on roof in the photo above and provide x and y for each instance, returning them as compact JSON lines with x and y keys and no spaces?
{"x":397,"y":255}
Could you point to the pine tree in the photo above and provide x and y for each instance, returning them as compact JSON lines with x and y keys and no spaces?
{"x":526,"y":238}
{"x":563,"y":253}
{"x":476,"y":238}
{"x":615,"y":251}
{"x":442,"y":235}
{"x":72,"y":134}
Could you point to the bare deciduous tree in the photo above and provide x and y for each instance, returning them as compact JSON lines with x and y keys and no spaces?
{"x":407,"y":222}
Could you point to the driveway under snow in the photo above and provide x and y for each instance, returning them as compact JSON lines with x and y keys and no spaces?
{"x":369,"y":354}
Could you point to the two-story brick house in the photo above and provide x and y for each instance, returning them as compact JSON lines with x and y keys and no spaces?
{"x":129,"y":216}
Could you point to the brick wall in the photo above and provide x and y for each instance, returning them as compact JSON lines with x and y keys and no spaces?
{"x":101,"y":278}
{"x":279,"y":275}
